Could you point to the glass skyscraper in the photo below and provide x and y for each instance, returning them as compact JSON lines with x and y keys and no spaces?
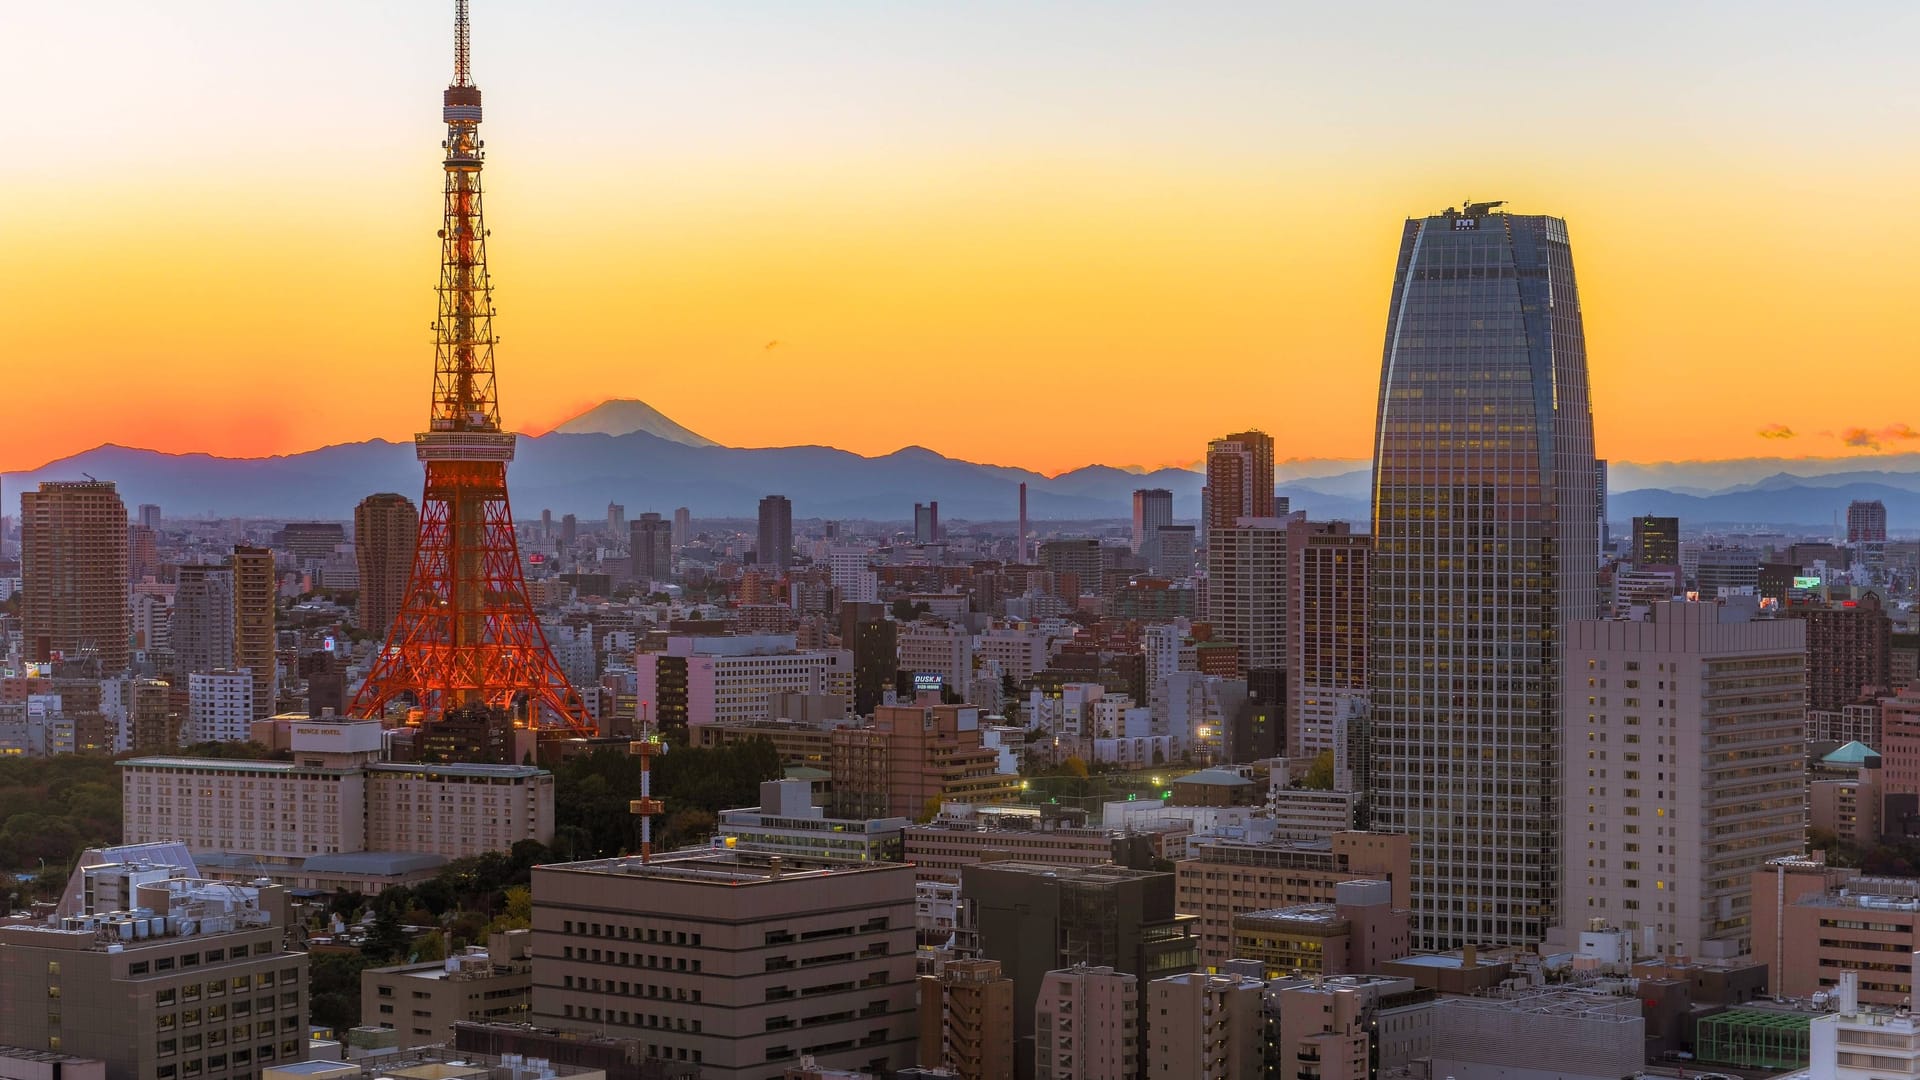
{"x":1485,"y":545}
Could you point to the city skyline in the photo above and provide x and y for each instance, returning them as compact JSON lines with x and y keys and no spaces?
{"x":1052,"y":195}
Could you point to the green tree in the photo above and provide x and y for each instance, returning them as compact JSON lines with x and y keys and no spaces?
{"x":1320,"y":774}
{"x":428,"y":947}
{"x":386,"y":939}
{"x":334,"y":989}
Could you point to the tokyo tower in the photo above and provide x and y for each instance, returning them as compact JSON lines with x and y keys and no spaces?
{"x":466,"y":634}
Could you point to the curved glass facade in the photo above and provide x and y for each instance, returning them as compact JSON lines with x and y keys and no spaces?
{"x":1485,"y":545}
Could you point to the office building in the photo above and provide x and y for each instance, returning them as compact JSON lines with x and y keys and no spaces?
{"x":851,"y":571}
{"x":1355,"y":934}
{"x":1037,"y":917}
{"x":1076,"y":565}
{"x":715,"y":680}
{"x":776,"y":532}
{"x":385,"y":527}
{"x":931,"y":648}
{"x":253,"y":623}
{"x":1329,"y":570}
{"x":73,"y":570}
{"x":1812,"y":921}
{"x":739,"y":962}
{"x":311,"y":541}
{"x":1223,"y":877}
{"x":1866,"y":522}
{"x":1172,"y":552}
{"x":1484,"y":431}
{"x":219,"y":706}
{"x":788,"y":823}
{"x":1247,"y":589}
{"x":1656,"y":541}
{"x":1086,"y":1024}
{"x":1206,"y":1027}
{"x":966,"y":1020}
{"x":616,"y":520}
{"x":201,"y":628}
{"x":912,"y":758}
{"x":961,"y":836}
{"x":1727,"y":571}
{"x":682,"y":530}
{"x":650,"y":544}
{"x":871,"y":636}
{"x":160,"y":975}
{"x":1683,"y":770}
{"x":1849,"y":651}
{"x":1239,"y":480}
{"x":926,"y":523}
{"x":421,"y":1002}
{"x":1152,"y":508}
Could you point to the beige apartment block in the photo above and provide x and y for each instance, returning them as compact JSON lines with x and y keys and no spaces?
{"x":1224,"y":878}
{"x":1206,"y":1027}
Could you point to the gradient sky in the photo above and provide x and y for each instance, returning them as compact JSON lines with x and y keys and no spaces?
{"x":1025,"y":233}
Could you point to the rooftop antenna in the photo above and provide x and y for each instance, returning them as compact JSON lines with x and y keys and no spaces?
{"x":462,"y":57}
{"x":646,"y":806}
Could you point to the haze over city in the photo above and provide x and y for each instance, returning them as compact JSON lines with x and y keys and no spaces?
{"x":944,"y":216}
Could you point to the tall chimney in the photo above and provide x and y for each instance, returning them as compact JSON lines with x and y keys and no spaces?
{"x":1020,"y":548}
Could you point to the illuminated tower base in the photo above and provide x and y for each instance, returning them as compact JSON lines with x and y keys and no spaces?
{"x":466,"y":632}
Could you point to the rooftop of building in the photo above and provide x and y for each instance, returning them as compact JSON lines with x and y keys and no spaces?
{"x":725,"y":867}
{"x":1099,"y":873}
{"x":1853,"y":753}
{"x":51,"y":1057}
{"x":1324,"y":915}
{"x":439,"y":1063}
{"x":460,"y":769}
{"x":1214,"y":777}
{"x":1582,"y":1004}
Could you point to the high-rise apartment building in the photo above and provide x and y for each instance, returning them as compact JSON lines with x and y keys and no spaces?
{"x":776,"y":532}
{"x":1086,"y":1024}
{"x":616,"y":520}
{"x":1152,"y":508}
{"x":150,"y":516}
{"x":966,"y":1020}
{"x":1247,"y":589}
{"x":143,"y":554}
{"x":153,"y":717}
{"x":1327,"y":625}
{"x":737,"y":961}
{"x":253,"y":621}
{"x":202,"y":622}
{"x":1866,"y":522}
{"x":1849,"y":651}
{"x":1684,"y":767}
{"x":650,"y":542}
{"x":926,"y":522}
{"x":1239,"y":479}
{"x":1206,"y":1027}
{"x":931,"y":647}
{"x":1173,"y":551}
{"x":385,"y":527}
{"x":1485,"y":547}
{"x":219,"y":706}
{"x":1656,"y":541}
{"x":73,"y":568}
{"x":682,"y":527}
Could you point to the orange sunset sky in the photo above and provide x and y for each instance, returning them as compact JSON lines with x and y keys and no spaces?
{"x":1036,"y":234}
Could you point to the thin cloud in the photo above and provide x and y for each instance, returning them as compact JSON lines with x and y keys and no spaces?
{"x":1870,"y":439}
{"x":1775,"y":431}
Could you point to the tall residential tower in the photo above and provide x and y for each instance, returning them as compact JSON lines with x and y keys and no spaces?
{"x":1485,"y":547}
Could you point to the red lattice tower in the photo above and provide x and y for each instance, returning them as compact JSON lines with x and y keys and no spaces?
{"x":466,"y":633}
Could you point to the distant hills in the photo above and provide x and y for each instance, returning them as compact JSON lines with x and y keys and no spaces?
{"x":626,"y":451}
